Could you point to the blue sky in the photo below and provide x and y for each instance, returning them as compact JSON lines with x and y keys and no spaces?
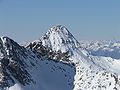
{"x":27,"y":20}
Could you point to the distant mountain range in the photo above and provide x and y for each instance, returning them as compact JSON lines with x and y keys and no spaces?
{"x":57,"y":61}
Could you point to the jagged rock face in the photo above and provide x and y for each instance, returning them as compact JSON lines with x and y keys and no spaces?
{"x":12,"y":66}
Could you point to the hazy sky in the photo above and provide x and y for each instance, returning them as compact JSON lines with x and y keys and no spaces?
{"x":27,"y":20}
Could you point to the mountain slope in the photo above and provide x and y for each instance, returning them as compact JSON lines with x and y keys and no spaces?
{"x":90,"y":74}
{"x":58,"y":44}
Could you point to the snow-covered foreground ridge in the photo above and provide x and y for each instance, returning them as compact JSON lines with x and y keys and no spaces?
{"x":56,"y":61}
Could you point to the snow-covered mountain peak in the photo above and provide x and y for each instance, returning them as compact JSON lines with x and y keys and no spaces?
{"x":59,"y":38}
{"x":59,"y":28}
{"x":58,"y":44}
